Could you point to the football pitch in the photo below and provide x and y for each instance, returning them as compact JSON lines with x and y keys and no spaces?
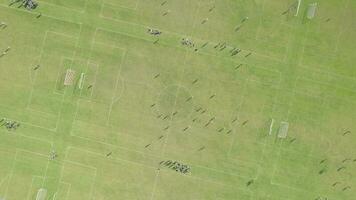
{"x":178,"y":100}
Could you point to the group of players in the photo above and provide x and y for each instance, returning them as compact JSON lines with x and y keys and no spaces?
{"x":28,"y":4}
{"x":174,"y":165}
{"x":10,"y":125}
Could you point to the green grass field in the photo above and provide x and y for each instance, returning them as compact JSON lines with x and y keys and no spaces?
{"x":147,"y":99}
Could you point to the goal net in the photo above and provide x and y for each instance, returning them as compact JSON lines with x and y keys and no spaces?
{"x":69,"y":78}
{"x":283,"y":130}
{"x":311,"y":10}
{"x":41,"y":194}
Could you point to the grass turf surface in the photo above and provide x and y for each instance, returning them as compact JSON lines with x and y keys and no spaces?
{"x":300,"y":71}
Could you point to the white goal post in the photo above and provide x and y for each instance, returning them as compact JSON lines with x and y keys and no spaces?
{"x":41,"y":194}
{"x":298,"y":6}
{"x":81,"y":81}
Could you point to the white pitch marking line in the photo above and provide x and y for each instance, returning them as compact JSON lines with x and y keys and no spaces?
{"x":4,"y":179}
{"x":29,"y":191}
{"x":238,"y":115}
{"x":64,"y":7}
{"x":340,"y":31}
{"x":11,"y":173}
{"x":29,"y":12}
{"x":270,"y":127}
{"x":35,"y":75}
{"x":299,"y":2}
{"x":136,"y":6}
{"x":123,"y":57}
